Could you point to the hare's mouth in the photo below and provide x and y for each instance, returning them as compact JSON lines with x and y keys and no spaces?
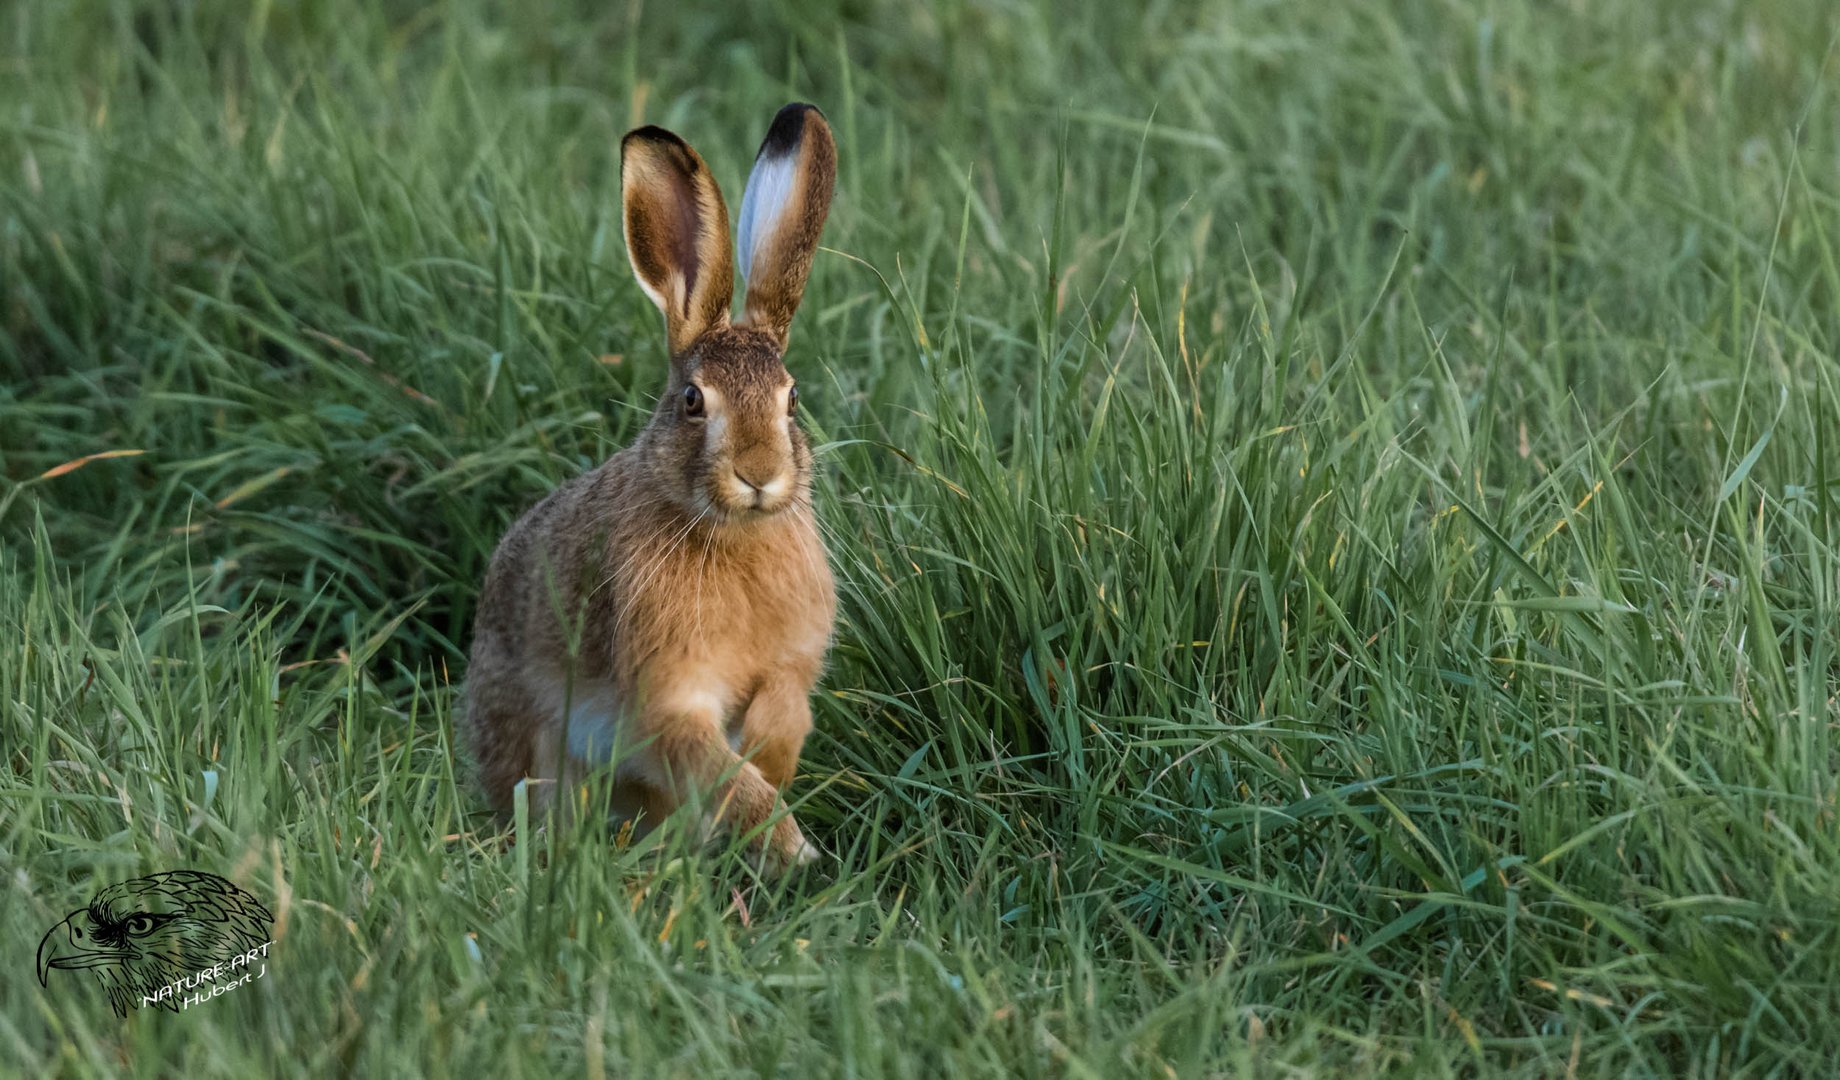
{"x":745,"y":496}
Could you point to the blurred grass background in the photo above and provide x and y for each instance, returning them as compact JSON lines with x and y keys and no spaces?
{"x":1336,"y":508}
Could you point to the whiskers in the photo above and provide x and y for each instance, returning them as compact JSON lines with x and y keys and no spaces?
{"x":638,"y":585}
{"x":702,"y":567}
{"x":660,"y":559}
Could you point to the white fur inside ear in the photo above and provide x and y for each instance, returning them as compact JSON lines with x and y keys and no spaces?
{"x":769,"y":188}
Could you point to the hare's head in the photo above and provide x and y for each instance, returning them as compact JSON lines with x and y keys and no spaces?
{"x":725,"y":439}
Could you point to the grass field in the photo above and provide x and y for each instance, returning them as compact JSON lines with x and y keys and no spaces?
{"x":1336,"y":510}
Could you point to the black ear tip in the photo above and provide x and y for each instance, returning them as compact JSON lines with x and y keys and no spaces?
{"x":788,"y":125}
{"x":652,"y":133}
{"x":662,"y":144}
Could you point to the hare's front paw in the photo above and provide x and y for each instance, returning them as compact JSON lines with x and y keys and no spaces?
{"x":787,"y":848}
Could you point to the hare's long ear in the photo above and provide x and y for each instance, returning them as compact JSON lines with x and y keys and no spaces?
{"x":782,"y":213}
{"x":676,"y":233}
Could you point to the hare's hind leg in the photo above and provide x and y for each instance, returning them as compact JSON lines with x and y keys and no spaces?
{"x":497,"y":735}
{"x":557,"y":777}
{"x":508,"y":731}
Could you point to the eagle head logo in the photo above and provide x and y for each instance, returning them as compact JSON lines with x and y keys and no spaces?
{"x":147,"y":933}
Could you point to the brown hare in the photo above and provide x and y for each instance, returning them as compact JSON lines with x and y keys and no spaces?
{"x":685,"y":576}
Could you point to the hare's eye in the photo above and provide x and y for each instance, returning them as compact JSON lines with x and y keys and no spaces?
{"x":693,"y":401}
{"x":792,"y":401}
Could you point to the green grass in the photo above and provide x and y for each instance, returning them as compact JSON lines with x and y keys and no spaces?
{"x":1336,"y":510}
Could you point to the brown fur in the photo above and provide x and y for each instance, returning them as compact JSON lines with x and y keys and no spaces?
{"x":676,"y":227}
{"x":772,"y":299}
{"x":686,"y":576}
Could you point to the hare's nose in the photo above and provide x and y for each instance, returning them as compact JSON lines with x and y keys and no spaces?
{"x":768,"y":484}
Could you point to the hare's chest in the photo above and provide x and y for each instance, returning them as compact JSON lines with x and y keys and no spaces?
{"x":775,"y":629}
{"x":726,"y":621}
